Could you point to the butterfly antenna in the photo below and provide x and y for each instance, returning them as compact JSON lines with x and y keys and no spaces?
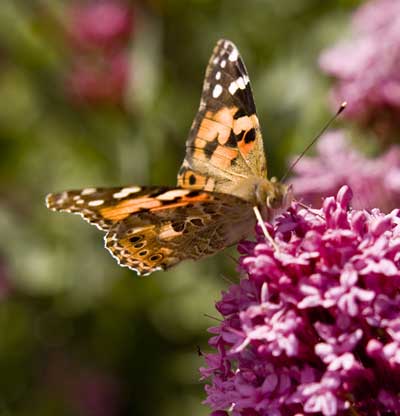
{"x":212,"y":317}
{"x":323,"y":130}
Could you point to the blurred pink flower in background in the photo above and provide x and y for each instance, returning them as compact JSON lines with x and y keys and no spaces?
{"x":101,"y":24}
{"x":96,"y":394}
{"x":314,"y":327}
{"x":375,"y":182}
{"x":98,"y":81}
{"x":100,"y":32}
{"x":88,"y":391}
{"x":367,"y":67}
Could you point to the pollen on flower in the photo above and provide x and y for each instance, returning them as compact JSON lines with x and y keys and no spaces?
{"x":313,"y":328}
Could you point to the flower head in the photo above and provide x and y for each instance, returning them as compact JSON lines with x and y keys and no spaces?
{"x":101,"y":24}
{"x":375,"y":182}
{"x":100,"y":68}
{"x":314,"y":327}
{"x":367,"y":67}
{"x":101,"y":81}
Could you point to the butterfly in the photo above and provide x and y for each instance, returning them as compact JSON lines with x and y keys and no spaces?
{"x":221,"y":180}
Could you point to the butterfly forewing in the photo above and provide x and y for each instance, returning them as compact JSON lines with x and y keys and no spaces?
{"x":102,"y":207}
{"x":225,"y":143}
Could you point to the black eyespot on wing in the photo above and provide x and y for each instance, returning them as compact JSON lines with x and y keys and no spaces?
{"x":178,"y":226}
{"x":250,"y":136}
{"x":192,"y":179}
{"x":135,"y":239}
{"x":210,"y":147}
{"x":197,"y":222}
{"x":239,"y":136}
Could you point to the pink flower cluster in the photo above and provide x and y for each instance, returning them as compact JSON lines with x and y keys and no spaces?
{"x":375,"y":182}
{"x":368,"y":67}
{"x":99,"y":31}
{"x":314,"y":327}
{"x":101,"y":24}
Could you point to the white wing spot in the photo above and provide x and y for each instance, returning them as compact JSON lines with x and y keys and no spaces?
{"x":217,"y":91}
{"x":233,"y":87}
{"x":175,"y":193}
{"x":215,"y":60}
{"x":234,"y":55}
{"x":96,"y":202}
{"x":124,"y":192}
{"x":240,"y":83}
{"x":218,"y":75}
{"x":88,"y":191}
{"x":223,"y":63}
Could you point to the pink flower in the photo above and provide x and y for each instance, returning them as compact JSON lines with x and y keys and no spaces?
{"x":375,"y":182}
{"x":100,"y":82}
{"x":313,"y":328}
{"x":99,"y":69}
{"x":101,"y":24}
{"x":367,"y":67}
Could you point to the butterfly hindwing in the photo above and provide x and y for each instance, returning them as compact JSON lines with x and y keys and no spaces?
{"x":225,"y":143}
{"x":151,"y":228}
{"x":157,"y":239}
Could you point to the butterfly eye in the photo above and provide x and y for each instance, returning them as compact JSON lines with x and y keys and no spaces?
{"x":272,"y":201}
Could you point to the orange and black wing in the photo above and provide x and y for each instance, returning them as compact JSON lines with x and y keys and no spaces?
{"x":154,"y":228}
{"x":225,"y":143}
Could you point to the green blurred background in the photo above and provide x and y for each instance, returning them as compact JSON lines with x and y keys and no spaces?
{"x":80,"y":335}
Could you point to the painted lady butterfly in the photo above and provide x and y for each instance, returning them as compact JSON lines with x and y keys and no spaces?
{"x":223,"y":176}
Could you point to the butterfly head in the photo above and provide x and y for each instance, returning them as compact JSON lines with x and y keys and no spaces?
{"x":273,"y":195}
{"x":279,"y":195}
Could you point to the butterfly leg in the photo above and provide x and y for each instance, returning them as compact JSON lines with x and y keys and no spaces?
{"x":264,"y":228}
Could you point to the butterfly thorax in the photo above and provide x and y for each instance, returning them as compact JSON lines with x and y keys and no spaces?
{"x":268,"y":195}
